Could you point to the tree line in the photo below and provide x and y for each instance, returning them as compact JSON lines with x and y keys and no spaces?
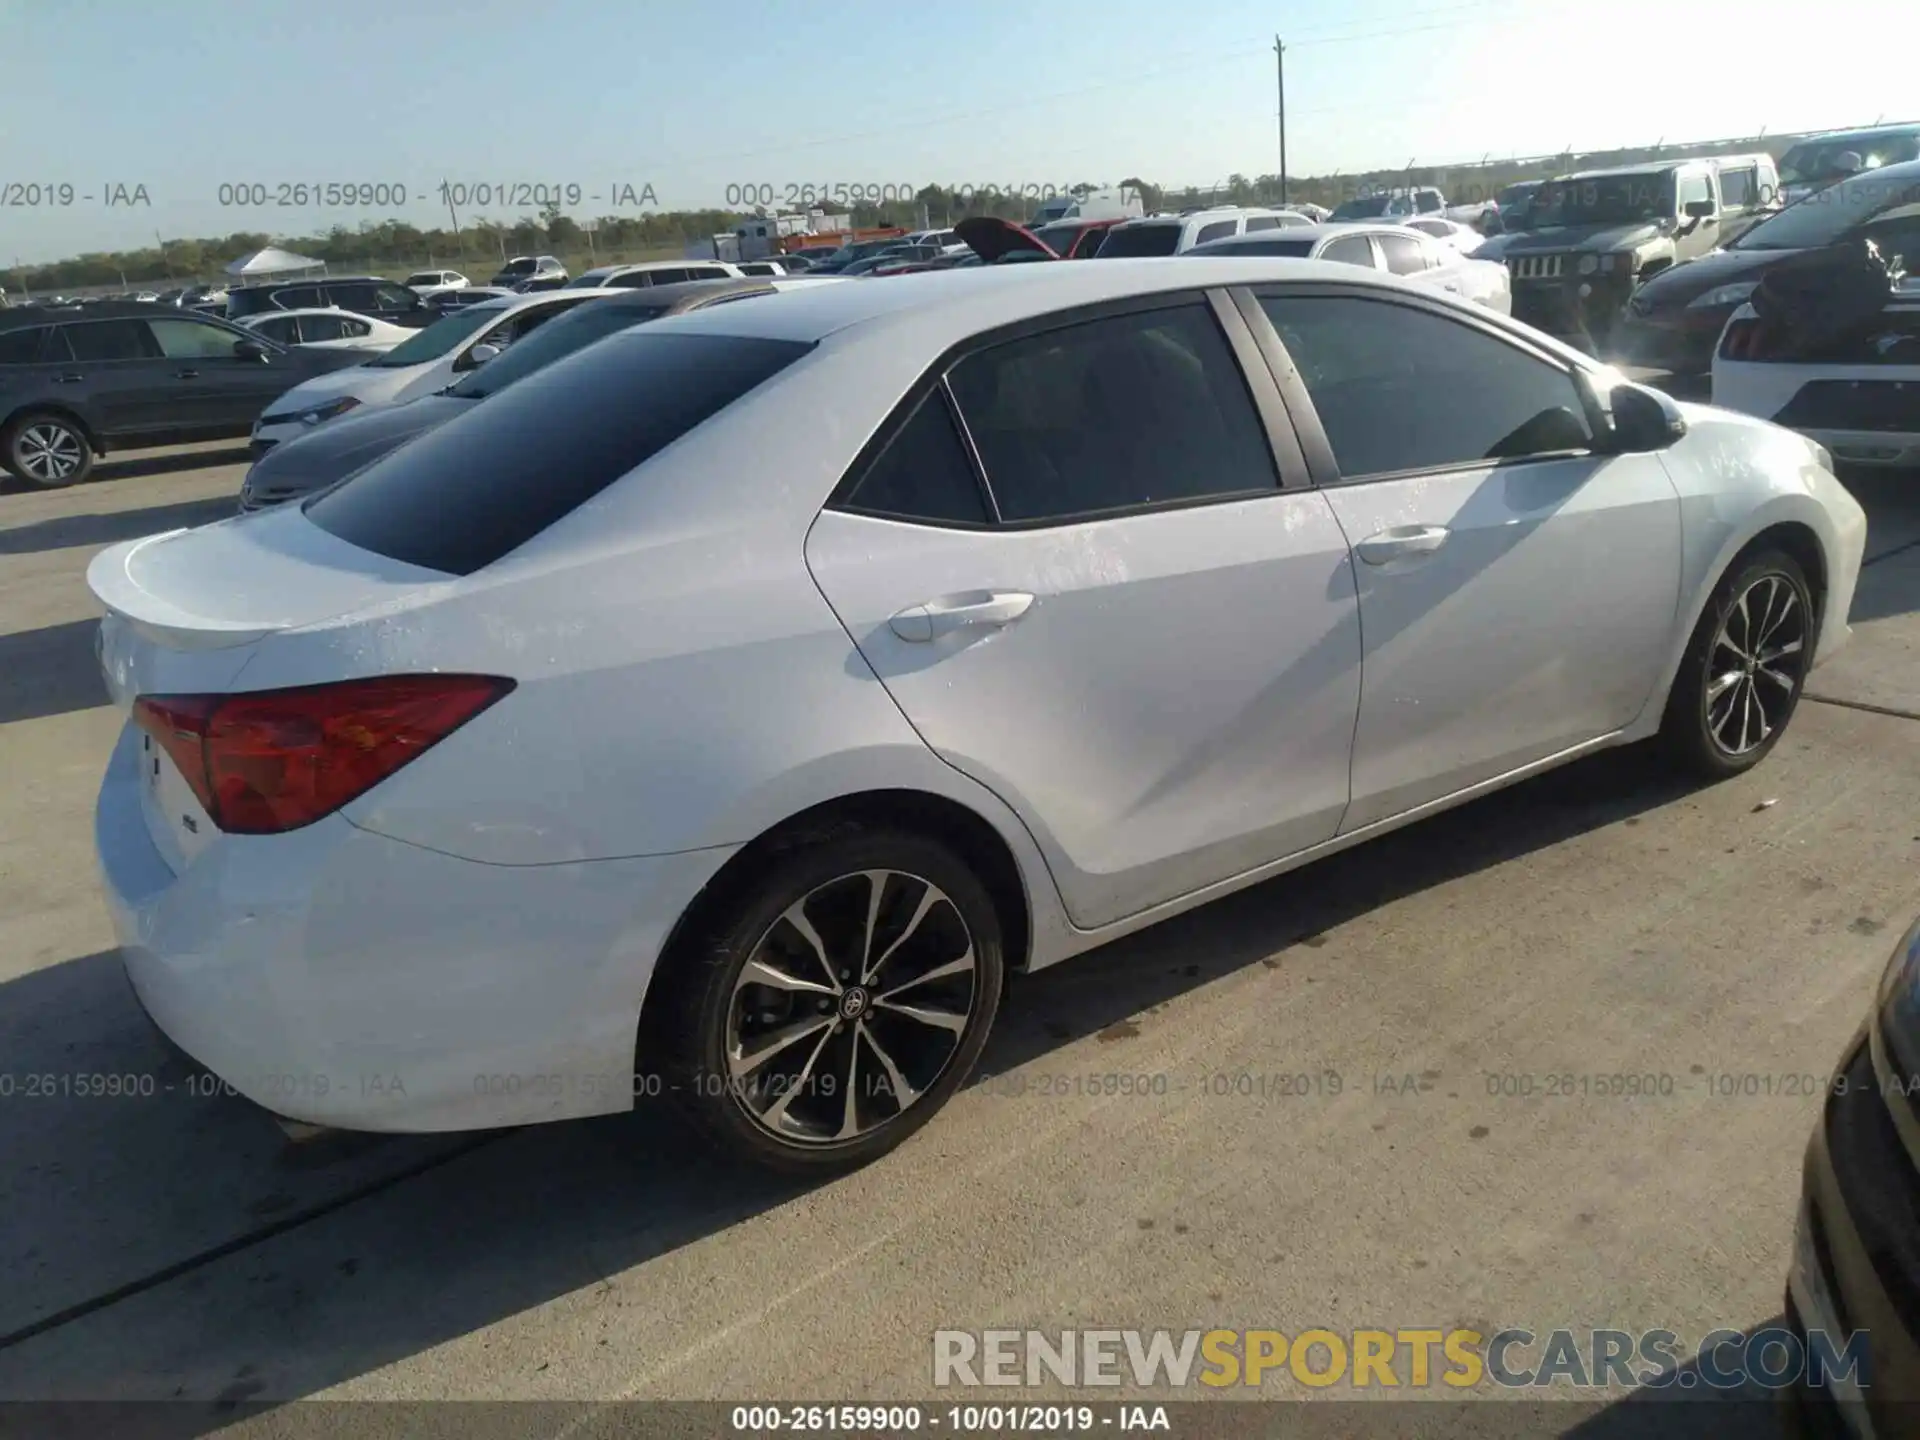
{"x":396,"y":244}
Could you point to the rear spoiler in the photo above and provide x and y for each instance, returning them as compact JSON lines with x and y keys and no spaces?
{"x":110,"y":578}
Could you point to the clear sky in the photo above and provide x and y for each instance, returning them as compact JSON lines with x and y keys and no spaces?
{"x":184,"y":95}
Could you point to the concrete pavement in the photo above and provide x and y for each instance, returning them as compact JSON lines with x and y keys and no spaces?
{"x":1598,"y":922}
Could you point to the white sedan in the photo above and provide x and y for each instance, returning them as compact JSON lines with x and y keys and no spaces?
{"x":435,"y":282}
{"x":572,"y":753}
{"x":427,"y":360}
{"x":1464,"y":238}
{"x":1862,"y":404}
{"x":1396,"y":249}
{"x":331,"y":329}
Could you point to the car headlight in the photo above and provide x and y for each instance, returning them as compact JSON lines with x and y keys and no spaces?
{"x":329,"y":411}
{"x":1898,"y":1011}
{"x":1589,"y":264}
{"x":1733,"y":294}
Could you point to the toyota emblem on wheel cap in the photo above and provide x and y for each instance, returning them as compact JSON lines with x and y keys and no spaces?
{"x":853,"y":1004}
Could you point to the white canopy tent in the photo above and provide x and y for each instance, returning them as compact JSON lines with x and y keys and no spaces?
{"x":274,"y":263}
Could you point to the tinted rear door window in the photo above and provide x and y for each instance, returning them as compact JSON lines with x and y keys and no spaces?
{"x":1350,"y":250}
{"x":110,"y":340}
{"x":1115,"y":414}
{"x":924,"y":473}
{"x":462,"y":496}
{"x":1405,"y":255}
{"x":1219,"y":230}
{"x":19,"y":347}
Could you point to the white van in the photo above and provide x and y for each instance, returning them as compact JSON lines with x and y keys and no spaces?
{"x":1175,"y":234}
{"x":1122,"y":202}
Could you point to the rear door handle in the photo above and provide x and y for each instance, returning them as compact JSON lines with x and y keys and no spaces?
{"x":69,"y":379}
{"x":1402,"y":542}
{"x":186,"y":374}
{"x":922,"y":623}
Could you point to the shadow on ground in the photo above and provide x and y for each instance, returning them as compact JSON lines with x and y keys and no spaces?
{"x":404,"y":1246}
{"x":105,"y":527}
{"x":50,"y":671}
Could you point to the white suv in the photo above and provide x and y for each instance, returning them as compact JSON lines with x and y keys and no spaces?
{"x":1175,"y":234}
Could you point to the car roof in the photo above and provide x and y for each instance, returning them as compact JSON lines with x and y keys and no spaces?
{"x":20,"y":317}
{"x":689,"y":292}
{"x":311,"y":280}
{"x":954,"y":305}
{"x":502,"y":304}
{"x":1651,"y":167}
{"x":1317,"y":230}
{"x":1867,"y":132}
{"x":645,"y":265}
{"x":319,"y":310}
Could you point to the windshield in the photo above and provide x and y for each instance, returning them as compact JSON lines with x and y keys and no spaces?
{"x":1059,"y":238}
{"x":1827,"y":216}
{"x":438,"y":338}
{"x":592,"y":280}
{"x":517,"y":267}
{"x":1124,"y":241}
{"x":559,"y":337}
{"x":1608,"y":200}
{"x":1366,"y":207}
{"x":1515,"y":195}
{"x":425,"y":277}
{"x":1818,"y":160}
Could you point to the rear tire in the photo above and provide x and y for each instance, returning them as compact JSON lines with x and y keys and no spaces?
{"x":1741,"y":678}
{"x":873,"y":957}
{"x":46,"y":450}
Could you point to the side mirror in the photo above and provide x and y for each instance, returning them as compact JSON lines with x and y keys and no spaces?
{"x":481,"y":354}
{"x":249,"y":350}
{"x":1699,"y":209}
{"x":1627,"y":418}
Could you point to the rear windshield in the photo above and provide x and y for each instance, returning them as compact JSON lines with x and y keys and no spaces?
{"x":479,"y":487}
{"x":249,"y":302}
{"x":517,"y":267}
{"x":1130,"y":240}
{"x":438,"y":338}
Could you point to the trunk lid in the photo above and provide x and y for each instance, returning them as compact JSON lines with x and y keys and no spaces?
{"x":990,"y":237}
{"x":186,"y":610}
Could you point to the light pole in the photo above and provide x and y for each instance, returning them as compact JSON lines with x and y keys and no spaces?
{"x":1280,"y":77}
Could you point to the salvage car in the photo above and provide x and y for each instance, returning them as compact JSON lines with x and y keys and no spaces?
{"x":1175,"y":234}
{"x":77,"y":383}
{"x":575,"y":740}
{"x":1847,"y":374}
{"x":1396,"y":249}
{"x":331,"y":329}
{"x":1674,"y":321}
{"x":1594,"y":236}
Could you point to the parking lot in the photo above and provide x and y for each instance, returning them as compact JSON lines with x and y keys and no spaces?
{"x":1601,"y":921}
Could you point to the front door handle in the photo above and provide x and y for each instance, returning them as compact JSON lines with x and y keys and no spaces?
{"x":186,"y":374}
{"x":929,"y":621}
{"x":1402,"y":542}
{"x":69,"y":379}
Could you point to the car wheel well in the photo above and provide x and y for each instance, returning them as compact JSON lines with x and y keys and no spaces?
{"x":1803,"y":545}
{"x":58,"y":412}
{"x":921,"y":812}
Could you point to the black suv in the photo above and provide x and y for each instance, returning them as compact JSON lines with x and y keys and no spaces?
{"x":362,"y":294}
{"x":76,"y":382}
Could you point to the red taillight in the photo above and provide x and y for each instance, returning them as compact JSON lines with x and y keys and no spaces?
{"x":1737,"y":343}
{"x":274,"y":760}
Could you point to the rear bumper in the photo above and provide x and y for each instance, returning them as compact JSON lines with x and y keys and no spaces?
{"x":341,"y":978}
{"x":1768,"y":389}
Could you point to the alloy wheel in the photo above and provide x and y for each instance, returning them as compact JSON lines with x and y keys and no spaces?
{"x":1756,"y":664}
{"x":850,"y":1007}
{"x":49,"y":453}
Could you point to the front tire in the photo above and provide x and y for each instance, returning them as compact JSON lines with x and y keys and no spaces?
{"x":1745,"y":667}
{"x":46,"y":450}
{"x":839,"y":1002}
